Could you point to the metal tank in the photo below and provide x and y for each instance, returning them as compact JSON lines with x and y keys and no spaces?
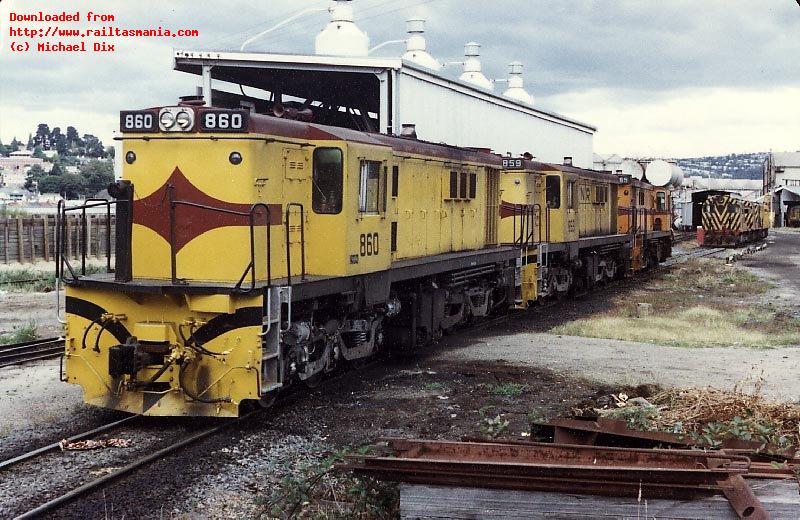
{"x":663,"y":173}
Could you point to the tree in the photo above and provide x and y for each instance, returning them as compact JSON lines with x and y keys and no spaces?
{"x":34,"y":176}
{"x":57,"y":170}
{"x":30,"y":145}
{"x":58,"y":140}
{"x":73,"y":139}
{"x":15,"y":145}
{"x":110,"y":152}
{"x":94,"y":146}
{"x":98,"y":175}
{"x":37,"y":153}
{"x":42,"y":137}
{"x":70,"y":185}
{"x":4,"y":150}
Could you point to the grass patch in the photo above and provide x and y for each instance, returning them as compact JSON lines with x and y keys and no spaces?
{"x":20,"y":334}
{"x":434,"y":387}
{"x":27,"y":280}
{"x":33,"y":280}
{"x":506,"y":389}
{"x":703,"y":304}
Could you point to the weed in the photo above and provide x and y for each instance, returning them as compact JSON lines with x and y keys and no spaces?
{"x":506,"y":389}
{"x":537,"y":416}
{"x":494,"y":427}
{"x":317,"y":491}
{"x":20,"y":334}
{"x":434,"y":387}
{"x":642,"y":418}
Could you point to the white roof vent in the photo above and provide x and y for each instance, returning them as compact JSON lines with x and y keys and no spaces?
{"x":416,"y":47}
{"x":341,"y":37}
{"x":515,"y":84}
{"x":472,"y":67}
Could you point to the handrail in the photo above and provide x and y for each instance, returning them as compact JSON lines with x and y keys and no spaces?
{"x":250,"y":215}
{"x":61,"y":236}
{"x":302,"y":243}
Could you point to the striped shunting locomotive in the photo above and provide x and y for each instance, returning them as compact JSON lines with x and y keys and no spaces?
{"x":731,"y":221}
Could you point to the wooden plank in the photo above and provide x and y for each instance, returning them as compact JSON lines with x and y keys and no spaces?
{"x":46,"y":237}
{"x":5,"y":237}
{"x":31,"y":240}
{"x":20,"y":240}
{"x":779,"y":497}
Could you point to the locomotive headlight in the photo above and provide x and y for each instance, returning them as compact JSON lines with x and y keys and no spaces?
{"x":184,"y":119}
{"x":130,"y":157}
{"x":167,"y":119}
{"x":235,"y":158}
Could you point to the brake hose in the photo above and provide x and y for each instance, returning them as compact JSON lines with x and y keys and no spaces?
{"x":86,"y":332}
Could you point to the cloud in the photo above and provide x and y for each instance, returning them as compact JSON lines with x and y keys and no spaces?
{"x":630,"y":55}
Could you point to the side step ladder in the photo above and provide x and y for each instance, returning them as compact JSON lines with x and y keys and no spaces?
{"x":277,"y":299}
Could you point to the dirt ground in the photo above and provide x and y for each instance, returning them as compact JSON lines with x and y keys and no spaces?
{"x":21,"y":308}
{"x":471,"y":383}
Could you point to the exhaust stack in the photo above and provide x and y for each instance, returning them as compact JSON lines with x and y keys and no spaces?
{"x":516,"y":88}
{"x":472,"y":67}
{"x":416,"y":46}
{"x":341,"y":37}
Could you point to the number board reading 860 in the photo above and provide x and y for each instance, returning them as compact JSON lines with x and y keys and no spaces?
{"x":138,"y":121}
{"x":223,"y":120}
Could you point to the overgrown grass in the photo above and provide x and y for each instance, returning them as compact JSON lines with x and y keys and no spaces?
{"x":703,"y":304}
{"x":33,"y":280}
{"x":20,"y":334}
{"x":27,"y":280}
{"x":506,"y":389}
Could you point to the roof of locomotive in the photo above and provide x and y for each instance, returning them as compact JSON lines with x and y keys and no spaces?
{"x":527,"y":164}
{"x":271,"y":125}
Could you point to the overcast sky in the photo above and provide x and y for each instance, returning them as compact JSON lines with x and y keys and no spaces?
{"x":675,"y":78}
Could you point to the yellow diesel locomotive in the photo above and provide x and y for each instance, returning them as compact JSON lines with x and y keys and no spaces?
{"x":577,"y":228}
{"x":253,"y":252}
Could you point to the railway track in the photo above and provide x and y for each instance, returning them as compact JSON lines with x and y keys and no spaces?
{"x":100,"y":482}
{"x":16,"y":353}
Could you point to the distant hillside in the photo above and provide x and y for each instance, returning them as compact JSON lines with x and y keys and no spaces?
{"x":733,"y":166}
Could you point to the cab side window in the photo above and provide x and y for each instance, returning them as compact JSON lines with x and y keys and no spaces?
{"x":553,"y":191}
{"x":661,"y":201}
{"x":327,"y":181}
{"x":369,"y":187}
{"x":571,"y":195}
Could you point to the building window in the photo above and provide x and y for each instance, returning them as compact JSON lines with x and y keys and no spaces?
{"x":553,"y":190}
{"x":453,"y":185}
{"x":327,"y":181}
{"x":641,"y":198}
{"x":473,"y":185}
{"x":570,"y":195}
{"x":463,"y":191}
{"x":369,"y":190}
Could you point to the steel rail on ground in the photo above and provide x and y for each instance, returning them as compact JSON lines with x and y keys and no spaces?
{"x":16,"y":353}
{"x":129,"y":468}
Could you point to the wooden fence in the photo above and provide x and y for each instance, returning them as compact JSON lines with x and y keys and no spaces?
{"x":33,"y":239}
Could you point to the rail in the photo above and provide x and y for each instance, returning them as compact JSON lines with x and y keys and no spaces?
{"x":529,"y":217}
{"x":16,"y":353}
{"x":289,"y":206}
{"x":250,"y":215}
{"x":62,"y":262}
